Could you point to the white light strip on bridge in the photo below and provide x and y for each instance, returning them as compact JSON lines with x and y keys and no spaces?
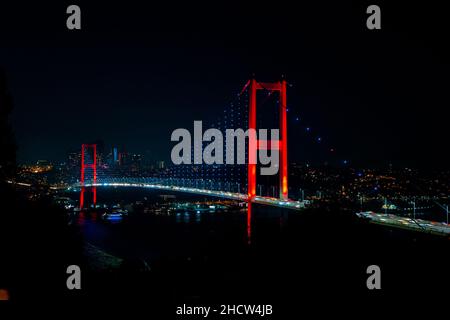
{"x":290,"y":204}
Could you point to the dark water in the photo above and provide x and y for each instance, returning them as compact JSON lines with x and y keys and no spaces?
{"x":151,"y":237}
{"x":179,"y":235}
{"x":284,"y":259}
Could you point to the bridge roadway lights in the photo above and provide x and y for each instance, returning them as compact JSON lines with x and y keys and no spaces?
{"x":289,"y":204}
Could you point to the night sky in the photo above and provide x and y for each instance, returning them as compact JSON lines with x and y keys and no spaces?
{"x":135,"y":72}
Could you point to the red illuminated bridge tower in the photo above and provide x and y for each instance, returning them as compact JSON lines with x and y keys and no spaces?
{"x":85,"y":166}
{"x":281,"y":145}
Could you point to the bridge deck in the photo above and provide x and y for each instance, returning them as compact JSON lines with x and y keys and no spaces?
{"x":289,"y":204}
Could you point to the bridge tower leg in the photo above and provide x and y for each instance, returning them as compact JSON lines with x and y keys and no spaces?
{"x":251,"y":170}
{"x":283,"y":143}
{"x":85,"y":166}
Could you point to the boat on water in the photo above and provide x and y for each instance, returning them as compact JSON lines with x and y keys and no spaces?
{"x":114,"y":215}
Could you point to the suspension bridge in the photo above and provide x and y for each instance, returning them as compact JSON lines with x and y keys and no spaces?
{"x":236,"y":182}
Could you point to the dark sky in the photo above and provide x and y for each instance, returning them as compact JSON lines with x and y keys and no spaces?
{"x":137,"y":71}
